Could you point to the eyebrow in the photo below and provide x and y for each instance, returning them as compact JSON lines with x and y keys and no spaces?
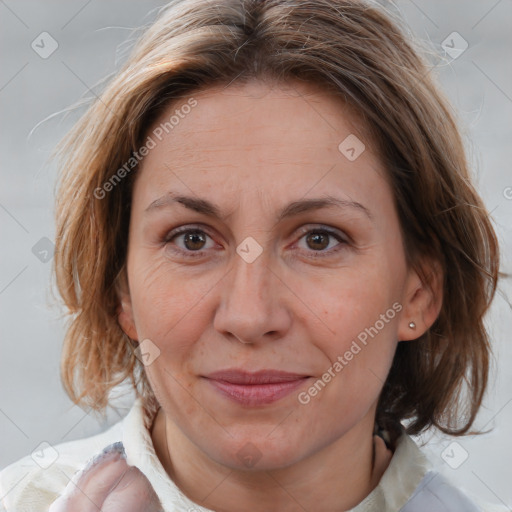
{"x":292,"y":209}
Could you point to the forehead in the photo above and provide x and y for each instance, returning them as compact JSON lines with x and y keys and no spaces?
{"x":260,"y":137}
{"x":261,"y":109}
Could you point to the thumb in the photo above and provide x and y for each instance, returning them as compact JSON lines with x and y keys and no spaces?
{"x":106,"y":473}
{"x":132,"y":493}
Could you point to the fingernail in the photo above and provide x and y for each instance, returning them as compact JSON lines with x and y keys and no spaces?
{"x":111,"y":451}
{"x":116,"y":447}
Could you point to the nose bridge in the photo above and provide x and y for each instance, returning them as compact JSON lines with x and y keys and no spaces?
{"x":250,"y":305}
{"x":250,"y":279}
{"x":251,"y":272}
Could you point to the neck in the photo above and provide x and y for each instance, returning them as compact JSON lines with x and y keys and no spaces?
{"x":336,"y":478}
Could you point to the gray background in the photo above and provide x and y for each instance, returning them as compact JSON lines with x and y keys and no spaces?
{"x":90,"y":35}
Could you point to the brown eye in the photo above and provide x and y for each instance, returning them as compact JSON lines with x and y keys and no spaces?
{"x":194,"y":240}
{"x":191,"y":242}
{"x":318,"y":241}
{"x":322,"y":242}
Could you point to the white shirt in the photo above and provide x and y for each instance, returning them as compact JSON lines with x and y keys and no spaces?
{"x":408,"y":485}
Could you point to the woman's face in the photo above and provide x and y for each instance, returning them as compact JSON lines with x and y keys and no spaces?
{"x":237,"y":263}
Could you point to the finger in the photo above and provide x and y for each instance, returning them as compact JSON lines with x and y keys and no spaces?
{"x":88,"y":488}
{"x":133,"y":493}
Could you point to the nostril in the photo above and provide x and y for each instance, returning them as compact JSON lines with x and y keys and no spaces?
{"x":241,"y":340}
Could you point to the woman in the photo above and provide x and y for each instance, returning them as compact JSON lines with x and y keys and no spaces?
{"x":267,"y":223}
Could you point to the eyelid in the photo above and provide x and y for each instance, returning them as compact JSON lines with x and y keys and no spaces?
{"x":184,"y":229}
{"x":302,"y":230}
{"x":320,"y":227}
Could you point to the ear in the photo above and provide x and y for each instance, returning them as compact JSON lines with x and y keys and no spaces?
{"x":421,"y":303}
{"x":125,"y":316}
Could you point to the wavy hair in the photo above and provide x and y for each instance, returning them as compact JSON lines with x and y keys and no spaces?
{"x":353,"y":49}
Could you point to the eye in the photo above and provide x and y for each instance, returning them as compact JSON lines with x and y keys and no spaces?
{"x":191,"y":241}
{"x":319,"y":239}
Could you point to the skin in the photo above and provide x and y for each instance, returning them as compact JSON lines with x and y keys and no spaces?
{"x":251,"y":149}
{"x":108,"y":484}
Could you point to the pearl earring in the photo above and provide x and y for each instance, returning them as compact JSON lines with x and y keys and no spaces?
{"x":412,"y":325}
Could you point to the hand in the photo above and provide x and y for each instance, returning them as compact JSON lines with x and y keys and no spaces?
{"x":108,"y":484}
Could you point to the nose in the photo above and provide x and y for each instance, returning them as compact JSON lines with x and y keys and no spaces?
{"x":253,"y":306}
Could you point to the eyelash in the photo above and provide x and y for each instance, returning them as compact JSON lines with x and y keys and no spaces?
{"x":305,"y":231}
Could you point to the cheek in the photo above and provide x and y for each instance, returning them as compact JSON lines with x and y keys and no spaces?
{"x":361,"y":314}
{"x":352,"y":300}
{"x":169,"y":306}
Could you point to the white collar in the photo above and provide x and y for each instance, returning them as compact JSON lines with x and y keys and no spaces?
{"x":406,"y":469}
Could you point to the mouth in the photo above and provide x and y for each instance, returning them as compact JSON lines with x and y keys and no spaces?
{"x":255,"y":388}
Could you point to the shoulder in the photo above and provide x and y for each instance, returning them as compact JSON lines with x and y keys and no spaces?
{"x":436,"y":492}
{"x":33,"y":482}
{"x":412,"y":484}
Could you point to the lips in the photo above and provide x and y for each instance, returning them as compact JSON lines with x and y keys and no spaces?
{"x":259,"y":377}
{"x":255,"y":388}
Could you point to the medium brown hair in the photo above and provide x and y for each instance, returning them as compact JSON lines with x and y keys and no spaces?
{"x":361,"y":54}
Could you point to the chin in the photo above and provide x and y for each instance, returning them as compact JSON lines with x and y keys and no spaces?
{"x":258,"y":453}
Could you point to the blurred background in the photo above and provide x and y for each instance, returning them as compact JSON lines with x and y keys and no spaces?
{"x":52,"y":53}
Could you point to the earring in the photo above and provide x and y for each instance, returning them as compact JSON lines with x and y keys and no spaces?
{"x":412,"y":325}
